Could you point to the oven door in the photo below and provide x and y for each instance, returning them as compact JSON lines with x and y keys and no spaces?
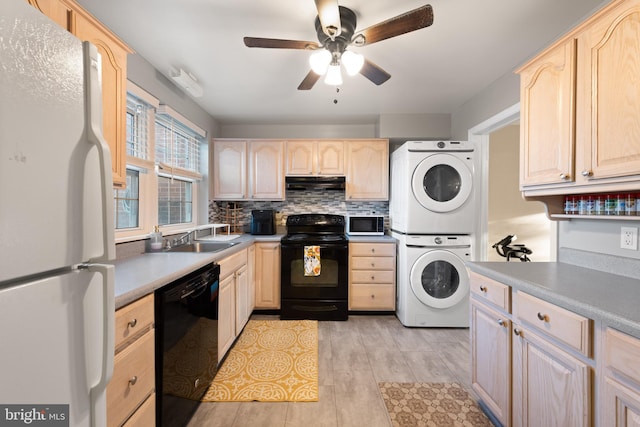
{"x":330,"y":283}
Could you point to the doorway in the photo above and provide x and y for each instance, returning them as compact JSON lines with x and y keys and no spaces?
{"x":507,"y":213}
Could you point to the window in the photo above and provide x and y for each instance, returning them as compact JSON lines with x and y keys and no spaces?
{"x":177,"y":151}
{"x":137,"y":128}
{"x":175,"y":201}
{"x":127,"y":202}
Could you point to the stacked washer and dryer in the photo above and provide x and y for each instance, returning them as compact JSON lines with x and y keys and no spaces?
{"x":432,"y":210}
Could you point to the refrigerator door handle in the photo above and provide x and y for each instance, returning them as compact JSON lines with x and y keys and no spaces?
{"x":98,"y":391}
{"x":93,"y":120}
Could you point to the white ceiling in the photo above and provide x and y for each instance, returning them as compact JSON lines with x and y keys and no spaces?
{"x":471,"y":44}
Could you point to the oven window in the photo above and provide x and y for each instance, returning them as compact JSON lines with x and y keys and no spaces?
{"x":328,"y":274}
{"x":440,"y":279}
{"x":442,"y":183}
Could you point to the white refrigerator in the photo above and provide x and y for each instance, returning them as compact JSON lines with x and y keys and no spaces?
{"x":56,"y":226}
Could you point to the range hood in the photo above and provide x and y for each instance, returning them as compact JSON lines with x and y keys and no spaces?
{"x":301,"y":183}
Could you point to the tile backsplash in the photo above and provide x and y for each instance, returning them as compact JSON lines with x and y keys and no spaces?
{"x":297,"y":202}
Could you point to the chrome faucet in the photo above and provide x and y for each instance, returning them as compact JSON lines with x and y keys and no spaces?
{"x":183,"y":239}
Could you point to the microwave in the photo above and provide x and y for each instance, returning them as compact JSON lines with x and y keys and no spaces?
{"x":365,"y":225}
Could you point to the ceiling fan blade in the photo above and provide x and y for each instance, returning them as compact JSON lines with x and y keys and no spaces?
{"x":414,"y":20}
{"x":329,"y":15}
{"x":374,"y":73}
{"x":279,"y":43}
{"x":309,"y":81}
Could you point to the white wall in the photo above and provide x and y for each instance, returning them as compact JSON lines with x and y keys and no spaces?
{"x":144,"y":75}
{"x":508,"y":212}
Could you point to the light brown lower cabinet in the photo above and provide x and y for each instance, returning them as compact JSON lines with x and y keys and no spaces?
{"x":620,"y":387}
{"x":532,"y":361}
{"x":131,"y":391}
{"x":372,"y":276}
{"x":267,"y":275}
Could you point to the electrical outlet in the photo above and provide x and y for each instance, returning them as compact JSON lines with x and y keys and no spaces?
{"x":629,"y":238}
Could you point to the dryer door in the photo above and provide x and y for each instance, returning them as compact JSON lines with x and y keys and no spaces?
{"x":439,"y":279}
{"x":442,"y":182}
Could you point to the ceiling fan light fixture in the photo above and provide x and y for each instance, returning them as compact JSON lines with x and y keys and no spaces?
{"x":352,"y":62}
{"x":333,"y":76}
{"x":319,"y":61}
{"x":329,"y":15}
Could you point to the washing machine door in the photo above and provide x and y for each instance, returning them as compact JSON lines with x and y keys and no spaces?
{"x":439,"y":279}
{"x":442,"y":182}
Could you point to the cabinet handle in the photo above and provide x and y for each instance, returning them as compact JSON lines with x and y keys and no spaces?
{"x":543,"y":317}
{"x":483,"y":288}
{"x":133,"y":380}
{"x":373,"y":296}
{"x":133,"y":323}
{"x":373,"y":251}
{"x":372,"y":264}
{"x":587,"y":173}
{"x":501,"y":322}
{"x":564,"y":176}
{"x":373,"y":277}
{"x":517,"y":331}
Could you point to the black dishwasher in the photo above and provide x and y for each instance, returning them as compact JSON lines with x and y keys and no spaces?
{"x":186,"y":316}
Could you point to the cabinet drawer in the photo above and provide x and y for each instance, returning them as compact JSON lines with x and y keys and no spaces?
{"x":373,"y":263}
{"x":564,"y":325}
{"x":622,"y":353}
{"x":372,"y":249}
{"x":372,"y":297}
{"x":133,"y":379}
{"x":372,"y":276}
{"x":145,"y":415}
{"x":132,"y":320}
{"x":489,"y":290}
{"x":232,"y":263}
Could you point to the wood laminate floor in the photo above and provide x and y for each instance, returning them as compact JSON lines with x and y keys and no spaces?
{"x":353,"y":357}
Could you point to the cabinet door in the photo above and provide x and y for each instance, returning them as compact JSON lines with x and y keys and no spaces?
{"x":268,"y":275}
{"x":621,"y":405}
{"x":226,"y":315}
{"x":242,"y":298}
{"x":547,"y":89}
{"x":491,"y":359}
{"x":550,"y":386}
{"x":609,"y":97}
{"x":300,"y":158}
{"x":54,"y":9}
{"x":367,"y":176}
{"x":229,"y":170}
{"x":114,"y":91}
{"x":251,"y":278}
{"x":330,"y":156}
{"x":266,"y":170}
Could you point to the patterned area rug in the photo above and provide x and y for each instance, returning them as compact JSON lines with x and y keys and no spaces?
{"x":432,"y":405}
{"x":272,"y":361}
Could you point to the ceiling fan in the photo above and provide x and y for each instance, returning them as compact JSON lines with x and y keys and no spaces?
{"x":336,"y":31}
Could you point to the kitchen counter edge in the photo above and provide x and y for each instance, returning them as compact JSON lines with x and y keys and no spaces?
{"x":141,"y":275}
{"x":605,"y":297}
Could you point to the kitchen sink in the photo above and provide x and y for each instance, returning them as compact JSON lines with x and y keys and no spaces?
{"x":202,"y":247}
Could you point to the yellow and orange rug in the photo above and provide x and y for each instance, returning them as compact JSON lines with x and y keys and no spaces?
{"x":272,"y":361}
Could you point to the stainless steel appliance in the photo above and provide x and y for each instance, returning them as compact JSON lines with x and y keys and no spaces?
{"x":56,"y":226}
{"x":263,"y":222}
{"x":186,"y":315}
{"x":365,"y":225}
{"x":321,"y":292}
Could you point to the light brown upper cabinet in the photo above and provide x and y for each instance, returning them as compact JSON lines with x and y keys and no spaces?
{"x":113,"y":54}
{"x":247,"y":169}
{"x":307,"y":158}
{"x":580,"y":108}
{"x":367,"y":176}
